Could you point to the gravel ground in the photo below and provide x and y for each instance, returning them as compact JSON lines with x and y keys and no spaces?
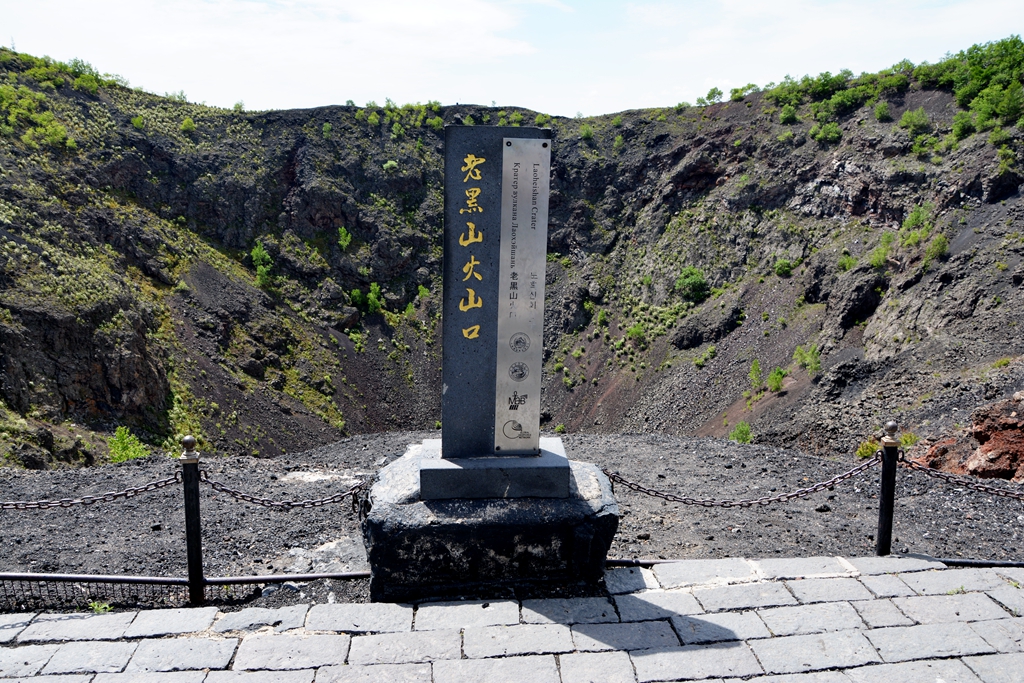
{"x":144,"y":535}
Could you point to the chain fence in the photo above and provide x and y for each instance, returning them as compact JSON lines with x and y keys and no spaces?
{"x":108,"y":497}
{"x":746,"y":502}
{"x":960,"y":481}
{"x":243,"y":497}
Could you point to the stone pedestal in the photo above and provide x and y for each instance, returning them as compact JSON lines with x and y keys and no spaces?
{"x":502,"y":476}
{"x":452,"y":547}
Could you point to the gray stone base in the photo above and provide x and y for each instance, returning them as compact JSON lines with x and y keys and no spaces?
{"x":493,"y":546}
{"x":505,"y":476}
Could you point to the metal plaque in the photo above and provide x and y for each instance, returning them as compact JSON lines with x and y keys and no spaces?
{"x":525,"y":173}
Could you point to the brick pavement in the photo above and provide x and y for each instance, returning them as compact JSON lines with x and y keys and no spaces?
{"x":807,"y":620}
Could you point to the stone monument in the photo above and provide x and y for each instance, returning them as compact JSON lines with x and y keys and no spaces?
{"x":490,"y":505}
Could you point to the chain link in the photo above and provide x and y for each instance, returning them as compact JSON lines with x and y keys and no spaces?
{"x":279,"y":504}
{"x":960,"y":481}
{"x":746,"y":502}
{"x":108,"y":497}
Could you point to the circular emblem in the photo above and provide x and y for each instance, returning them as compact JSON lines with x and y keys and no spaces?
{"x":519,"y":342}
{"x":512,"y":430}
{"x":518,"y":372}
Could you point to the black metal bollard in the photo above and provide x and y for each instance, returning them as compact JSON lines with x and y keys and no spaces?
{"x":887,"y":492}
{"x":193,"y":528}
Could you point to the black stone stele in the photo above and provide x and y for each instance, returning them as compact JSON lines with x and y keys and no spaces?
{"x":469,"y":364}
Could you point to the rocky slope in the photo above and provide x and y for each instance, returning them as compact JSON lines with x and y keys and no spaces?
{"x":133,"y":290}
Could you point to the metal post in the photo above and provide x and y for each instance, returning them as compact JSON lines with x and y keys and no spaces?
{"x":193,"y":528}
{"x":887,"y":492}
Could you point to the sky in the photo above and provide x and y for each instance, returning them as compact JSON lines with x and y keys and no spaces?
{"x":561,"y":57}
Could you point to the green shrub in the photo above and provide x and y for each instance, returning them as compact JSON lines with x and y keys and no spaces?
{"x":846,"y":262}
{"x":916,"y":226}
{"x":436,"y":122}
{"x":787,"y":115}
{"x":468,"y":121}
{"x":867,"y":449}
{"x":358,"y":300}
{"x":325,"y":130}
{"x":390,"y":166}
{"x":617,"y":121}
{"x":87,"y":82}
{"x":515,"y":118}
{"x":125,"y":446}
{"x":602,"y":318}
{"x":262,"y":261}
{"x":542,"y":120}
{"x":937,"y":248}
{"x":915,"y":121}
{"x":882,"y":111}
{"x":637,"y":333}
{"x":826,"y":134}
{"x":374,"y":300}
{"x":737,"y":94}
{"x":560,"y":428}
{"x":618,"y":143}
{"x":344,"y":238}
{"x":783,"y":267}
{"x":786,"y":136}
{"x":702,"y":359}
{"x":775,"y":378}
{"x":908,"y":439}
{"x":755,"y":374}
{"x":188,"y":125}
{"x":714,"y":95}
{"x":373,"y":119}
{"x":586,"y":132}
{"x":741,"y":433}
{"x":139,"y":122}
{"x":809,"y":359}
{"x":691,"y":285}
{"x":422,"y":292}
{"x":963,"y":125}
{"x":998,"y":137}
{"x":238,"y":107}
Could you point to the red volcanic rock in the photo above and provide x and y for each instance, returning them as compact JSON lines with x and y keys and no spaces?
{"x":999,"y":431}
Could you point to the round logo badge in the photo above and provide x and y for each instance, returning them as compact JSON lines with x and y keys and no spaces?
{"x":519,"y":342}
{"x":518,"y":372}
{"x":512,"y":430}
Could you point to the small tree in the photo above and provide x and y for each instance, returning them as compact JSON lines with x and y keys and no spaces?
{"x":263,"y":263}
{"x":775,"y":380}
{"x":344,"y":238}
{"x":188,"y":125}
{"x":374,"y":300}
{"x":741,"y":433}
{"x":125,"y":446}
{"x":755,"y":375}
{"x":809,"y":358}
{"x":691,"y":284}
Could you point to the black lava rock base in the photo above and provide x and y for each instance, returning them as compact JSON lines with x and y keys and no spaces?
{"x":485,"y":547}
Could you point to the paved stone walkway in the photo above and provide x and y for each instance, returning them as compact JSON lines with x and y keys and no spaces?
{"x":809,"y":620}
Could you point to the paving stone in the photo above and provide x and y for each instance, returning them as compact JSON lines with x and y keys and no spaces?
{"x":694,"y":662}
{"x":952,"y":580}
{"x":905,"y":643}
{"x":447,"y":615}
{"x":817,"y":618}
{"x":828,"y":590}
{"x":1004,"y":668}
{"x":1005,"y":635}
{"x":13,"y":624}
{"x":887,"y":586}
{"x":651,"y":605}
{"x":377,"y":617}
{"x":942,"y":609}
{"x":523,"y":639}
{"x":68,"y":678}
{"x":795,"y":654}
{"x":535,"y":669}
{"x":25,"y":661}
{"x":1015,"y":574}
{"x":694,"y":572}
{"x":83,"y":657}
{"x":282,"y":619}
{"x":596,"y":667}
{"x":281,"y":652}
{"x":569,"y":611}
{"x":1010,"y":597}
{"x":892,"y":565}
{"x":300,"y":676}
{"x":880,"y":613}
{"x":178,"y":654}
{"x":815,"y":677}
{"x":392,"y":673}
{"x":165,"y":622}
{"x":936,"y":670}
{"x":147,"y":677}
{"x":405,"y":648}
{"x":633,"y":636}
{"x":746,"y":596}
{"x":629,"y":580}
{"x":713,"y":628}
{"x":801,"y":567}
{"x":77,"y":627}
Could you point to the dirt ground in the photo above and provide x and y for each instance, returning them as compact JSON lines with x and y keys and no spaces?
{"x":144,"y":535}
